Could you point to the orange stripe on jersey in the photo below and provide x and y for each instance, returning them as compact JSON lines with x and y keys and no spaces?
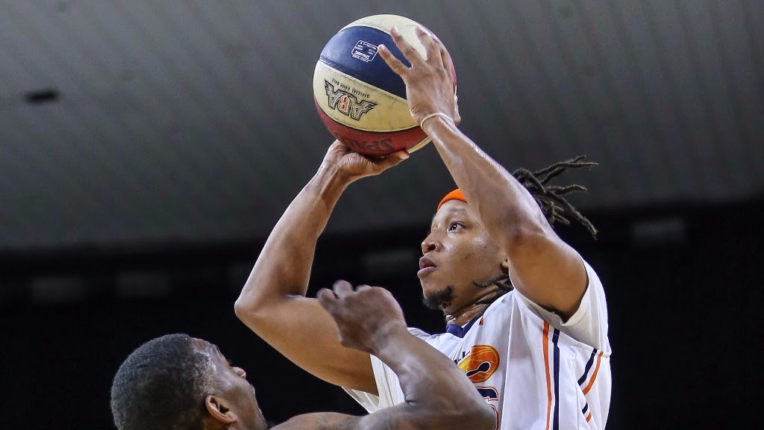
{"x":548,"y":381}
{"x":588,"y":417}
{"x":594,"y":375}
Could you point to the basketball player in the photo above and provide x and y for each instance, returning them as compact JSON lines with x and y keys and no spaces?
{"x":181,"y":383}
{"x":527,"y":317}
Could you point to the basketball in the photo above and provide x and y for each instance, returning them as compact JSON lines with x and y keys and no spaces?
{"x":359,"y":99}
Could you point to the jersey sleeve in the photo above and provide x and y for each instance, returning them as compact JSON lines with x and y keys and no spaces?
{"x":589,"y":324}
{"x":388,"y":386}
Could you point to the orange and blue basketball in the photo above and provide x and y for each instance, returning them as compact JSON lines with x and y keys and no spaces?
{"x":360,"y":100}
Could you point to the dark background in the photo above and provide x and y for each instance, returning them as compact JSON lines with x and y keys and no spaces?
{"x":147,"y":148}
{"x":683,"y":306}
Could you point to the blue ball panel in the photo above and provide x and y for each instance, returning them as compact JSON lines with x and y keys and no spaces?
{"x":353,"y":51}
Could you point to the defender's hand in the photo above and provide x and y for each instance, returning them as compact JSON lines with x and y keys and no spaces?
{"x":365,"y":317}
{"x":353,"y":166}
{"x":429,"y":83}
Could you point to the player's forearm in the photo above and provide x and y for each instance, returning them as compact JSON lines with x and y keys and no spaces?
{"x":438,"y":394}
{"x":507,"y":210}
{"x":545,"y":269}
{"x":283,"y":267}
{"x":427,"y":377}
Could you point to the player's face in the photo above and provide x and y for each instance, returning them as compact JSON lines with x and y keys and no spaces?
{"x":232,"y":385}
{"x":456,"y":252}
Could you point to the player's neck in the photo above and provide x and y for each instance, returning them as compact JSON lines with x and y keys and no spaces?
{"x":476,"y":307}
{"x":471,"y":311}
{"x":466,"y":314}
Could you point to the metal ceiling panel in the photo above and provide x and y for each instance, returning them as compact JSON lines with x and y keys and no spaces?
{"x":193,"y":120}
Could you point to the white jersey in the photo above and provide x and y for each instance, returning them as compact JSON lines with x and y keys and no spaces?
{"x":535,"y":371}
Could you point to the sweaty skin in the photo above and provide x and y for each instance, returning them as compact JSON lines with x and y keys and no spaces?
{"x":502,"y":227}
{"x":438,"y":395}
{"x":273,"y":303}
{"x":543,"y":267}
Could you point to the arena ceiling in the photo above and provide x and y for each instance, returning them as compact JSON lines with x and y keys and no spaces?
{"x":149,"y":121}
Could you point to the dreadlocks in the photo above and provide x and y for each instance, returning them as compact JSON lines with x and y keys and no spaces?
{"x":502,"y":281}
{"x":550,"y":198}
{"x":552,"y":203}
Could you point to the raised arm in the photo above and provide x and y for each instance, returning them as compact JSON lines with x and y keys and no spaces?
{"x":543,"y":267}
{"x":438,"y":394}
{"x":273,"y":303}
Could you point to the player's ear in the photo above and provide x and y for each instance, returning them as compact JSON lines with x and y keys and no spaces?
{"x":505,"y":265}
{"x":220,"y":410}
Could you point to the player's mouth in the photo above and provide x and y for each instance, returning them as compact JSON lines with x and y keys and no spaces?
{"x":425,"y":266}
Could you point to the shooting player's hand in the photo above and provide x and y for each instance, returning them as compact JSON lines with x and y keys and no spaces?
{"x":429,"y":82}
{"x":353,"y":166}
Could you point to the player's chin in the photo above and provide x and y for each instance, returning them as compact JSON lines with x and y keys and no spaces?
{"x":430,"y":285}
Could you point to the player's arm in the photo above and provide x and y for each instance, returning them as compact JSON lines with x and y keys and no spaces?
{"x":438,"y":395}
{"x":273,"y":303}
{"x":544,"y":268}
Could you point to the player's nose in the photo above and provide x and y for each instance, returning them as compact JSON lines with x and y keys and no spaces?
{"x":429,"y":244}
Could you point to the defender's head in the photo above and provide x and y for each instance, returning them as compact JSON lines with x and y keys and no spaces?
{"x":181,"y":383}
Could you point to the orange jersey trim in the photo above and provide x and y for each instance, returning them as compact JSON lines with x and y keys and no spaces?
{"x":594,"y":375}
{"x":548,"y":379}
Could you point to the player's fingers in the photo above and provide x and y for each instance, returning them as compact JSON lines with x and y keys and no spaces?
{"x":362,"y":288}
{"x":337,"y":145}
{"x":407,"y":50}
{"x":401,"y":155}
{"x":336,"y":149}
{"x":327,"y":299}
{"x":457,"y":118}
{"x":385,"y":292}
{"x":445,"y":56}
{"x":448,"y":63}
{"x":395,"y":64}
{"x":391,"y":160}
{"x":342,"y":288}
{"x":430,"y":45}
{"x":381,"y":163}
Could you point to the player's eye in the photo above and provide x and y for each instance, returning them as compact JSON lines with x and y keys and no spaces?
{"x":454,"y":226}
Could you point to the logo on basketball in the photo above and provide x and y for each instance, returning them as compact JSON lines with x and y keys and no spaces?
{"x":347,"y":103}
{"x":481,"y":362}
{"x":364,"y":51}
